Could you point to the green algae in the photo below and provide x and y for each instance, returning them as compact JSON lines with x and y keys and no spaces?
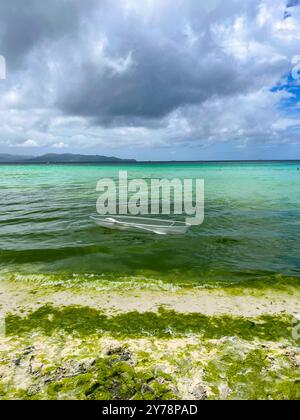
{"x":108,"y":378}
{"x":259,"y":286}
{"x":84,"y":321}
{"x":252,"y":376}
{"x":230,"y":368}
{"x":233,"y":283}
{"x":244,"y":367}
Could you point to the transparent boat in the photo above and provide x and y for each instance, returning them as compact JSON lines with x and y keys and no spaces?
{"x":142,"y":224}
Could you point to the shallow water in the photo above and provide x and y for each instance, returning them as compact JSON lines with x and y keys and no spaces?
{"x":251,"y":228}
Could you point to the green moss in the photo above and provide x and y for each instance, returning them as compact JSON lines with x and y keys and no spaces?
{"x":84,"y":321}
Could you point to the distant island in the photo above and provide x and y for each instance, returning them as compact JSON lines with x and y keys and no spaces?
{"x":70,"y":158}
{"x":52,"y":158}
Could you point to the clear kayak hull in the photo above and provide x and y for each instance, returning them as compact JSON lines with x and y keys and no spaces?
{"x":142,"y":224}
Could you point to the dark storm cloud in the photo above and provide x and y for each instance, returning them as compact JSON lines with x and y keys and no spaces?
{"x":171,"y":58}
{"x":152,"y":72}
{"x":151,"y":63}
{"x":174,"y":62}
{"x":26,"y":23}
{"x":157,"y":82}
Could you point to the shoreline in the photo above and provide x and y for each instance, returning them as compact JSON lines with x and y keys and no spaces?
{"x":207,"y":301}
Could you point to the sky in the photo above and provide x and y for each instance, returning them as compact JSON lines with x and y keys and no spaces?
{"x":151,"y":80}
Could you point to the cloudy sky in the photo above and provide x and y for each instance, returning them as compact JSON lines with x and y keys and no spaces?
{"x":151,"y":79}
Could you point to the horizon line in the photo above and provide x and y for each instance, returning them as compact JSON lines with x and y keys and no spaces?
{"x":131,"y":161}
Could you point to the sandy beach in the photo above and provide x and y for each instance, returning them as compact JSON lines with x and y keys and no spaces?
{"x":246,"y":302}
{"x":64,"y":343}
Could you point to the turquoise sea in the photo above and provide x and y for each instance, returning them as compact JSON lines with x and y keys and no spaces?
{"x":251,"y":229}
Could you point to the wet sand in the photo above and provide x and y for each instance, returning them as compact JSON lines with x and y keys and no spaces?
{"x":15,"y":296}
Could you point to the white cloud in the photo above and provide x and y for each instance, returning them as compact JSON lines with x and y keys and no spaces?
{"x":60,"y":145}
{"x":29,"y":143}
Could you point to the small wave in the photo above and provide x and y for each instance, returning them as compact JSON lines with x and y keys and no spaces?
{"x":97,"y":282}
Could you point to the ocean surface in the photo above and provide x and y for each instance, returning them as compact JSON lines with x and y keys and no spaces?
{"x":251,"y":229}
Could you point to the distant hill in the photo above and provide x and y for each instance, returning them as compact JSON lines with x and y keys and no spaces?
{"x":60,"y":158}
{"x":6,"y":158}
